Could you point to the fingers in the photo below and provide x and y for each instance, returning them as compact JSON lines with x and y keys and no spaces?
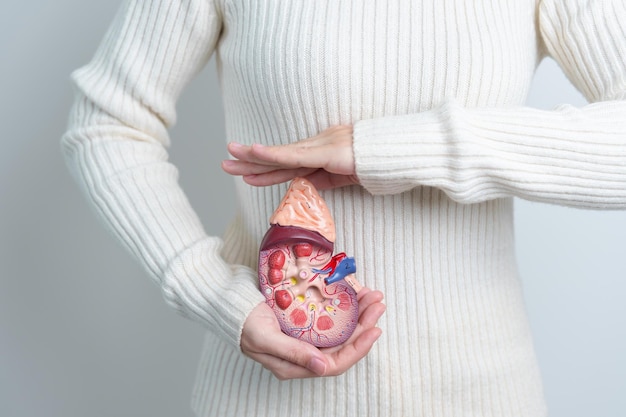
{"x":286,"y":156}
{"x":327,"y":158}
{"x":247,"y":154}
{"x":263,"y":170}
{"x":341,"y":358}
{"x":285,"y":356}
{"x":236,"y":167}
{"x":371,"y":310}
{"x":263,"y":175}
{"x":303,"y":154}
{"x":321,"y":179}
{"x":277,"y":177}
{"x":295,"y":364}
{"x":345,"y":358}
{"x":324,"y":180}
{"x":308,"y":153}
{"x":289,"y":358}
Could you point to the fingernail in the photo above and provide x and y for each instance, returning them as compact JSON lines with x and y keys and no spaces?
{"x":317,"y":366}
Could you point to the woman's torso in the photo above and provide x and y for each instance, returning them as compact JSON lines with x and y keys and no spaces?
{"x":455,"y":337}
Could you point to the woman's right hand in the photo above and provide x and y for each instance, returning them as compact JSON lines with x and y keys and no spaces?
{"x":290,"y":358}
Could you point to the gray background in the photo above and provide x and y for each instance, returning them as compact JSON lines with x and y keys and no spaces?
{"x":84,"y":332}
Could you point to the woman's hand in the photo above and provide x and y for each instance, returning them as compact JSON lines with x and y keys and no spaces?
{"x":289,"y":358}
{"x":326,"y":160}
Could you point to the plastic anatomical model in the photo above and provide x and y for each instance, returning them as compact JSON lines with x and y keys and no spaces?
{"x":312,"y":291}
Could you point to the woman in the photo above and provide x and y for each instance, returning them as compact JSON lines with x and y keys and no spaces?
{"x":410,"y":115}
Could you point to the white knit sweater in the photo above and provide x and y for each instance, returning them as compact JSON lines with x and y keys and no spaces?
{"x":435,"y":90}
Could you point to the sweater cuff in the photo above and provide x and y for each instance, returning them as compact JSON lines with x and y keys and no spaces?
{"x":200,"y":285}
{"x":396,"y":153}
{"x":566,"y":156}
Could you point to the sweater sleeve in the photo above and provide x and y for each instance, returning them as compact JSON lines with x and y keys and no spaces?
{"x":116,"y":148}
{"x":568,"y":156}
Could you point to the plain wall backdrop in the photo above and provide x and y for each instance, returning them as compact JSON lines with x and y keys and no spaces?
{"x":83,"y":328}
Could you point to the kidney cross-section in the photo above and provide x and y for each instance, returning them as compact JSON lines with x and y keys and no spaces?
{"x":291,"y":276}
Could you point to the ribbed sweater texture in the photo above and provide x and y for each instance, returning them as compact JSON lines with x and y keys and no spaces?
{"x":435,"y":90}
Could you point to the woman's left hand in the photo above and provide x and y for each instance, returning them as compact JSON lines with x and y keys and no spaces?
{"x":327,"y":160}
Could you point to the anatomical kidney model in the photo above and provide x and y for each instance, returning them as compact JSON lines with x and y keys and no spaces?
{"x":312,"y":292}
